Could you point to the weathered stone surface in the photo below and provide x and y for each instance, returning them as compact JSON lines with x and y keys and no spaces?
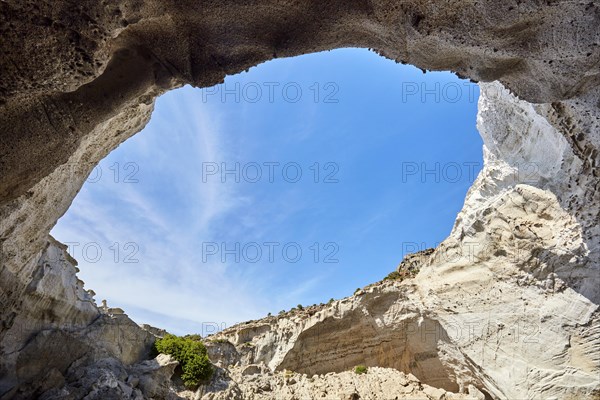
{"x":102,"y":379}
{"x":222,"y":353}
{"x":521,"y":264}
{"x":381,"y":327}
{"x":153,"y":377}
{"x":108,"y":378}
{"x":377,"y":383}
{"x":61,"y":327}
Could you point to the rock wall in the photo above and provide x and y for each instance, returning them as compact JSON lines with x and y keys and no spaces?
{"x":60,"y":332}
{"x":519,"y":273}
{"x":380,"y":326}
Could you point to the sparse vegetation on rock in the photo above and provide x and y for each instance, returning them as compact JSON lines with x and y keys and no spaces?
{"x":192,"y":356}
{"x":410,"y":266}
{"x":360,"y":369}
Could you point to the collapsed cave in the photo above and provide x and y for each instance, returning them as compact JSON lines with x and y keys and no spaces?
{"x":120,"y":213}
{"x":99,"y":87}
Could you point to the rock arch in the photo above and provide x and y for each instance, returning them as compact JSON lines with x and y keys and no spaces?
{"x":80,"y":78}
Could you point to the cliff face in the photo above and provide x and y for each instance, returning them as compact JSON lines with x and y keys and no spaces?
{"x":507,"y":304}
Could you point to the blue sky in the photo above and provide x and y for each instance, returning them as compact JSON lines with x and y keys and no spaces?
{"x":330,"y":151}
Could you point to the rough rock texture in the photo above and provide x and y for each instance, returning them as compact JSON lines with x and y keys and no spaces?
{"x":518,"y":277}
{"x":61,"y":331}
{"x":154,"y":376}
{"x":377,"y":327}
{"x":377,"y":383}
{"x":108,"y":378}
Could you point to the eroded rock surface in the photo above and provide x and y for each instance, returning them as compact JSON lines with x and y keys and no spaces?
{"x":511,"y":297}
{"x":376,"y":383}
{"x":61,"y":337}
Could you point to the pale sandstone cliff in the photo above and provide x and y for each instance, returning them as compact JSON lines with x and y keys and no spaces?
{"x":508,"y":303}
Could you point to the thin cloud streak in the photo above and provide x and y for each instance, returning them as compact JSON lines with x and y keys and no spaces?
{"x":169,"y":278}
{"x":171,"y":211}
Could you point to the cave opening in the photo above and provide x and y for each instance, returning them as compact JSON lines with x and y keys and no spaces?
{"x":290,"y":184}
{"x":80,"y":80}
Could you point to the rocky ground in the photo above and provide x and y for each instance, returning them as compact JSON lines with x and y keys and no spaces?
{"x":259,"y":383}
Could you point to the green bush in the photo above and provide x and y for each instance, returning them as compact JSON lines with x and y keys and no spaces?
{"x":360,"y":369}
{"x":192,"y":357}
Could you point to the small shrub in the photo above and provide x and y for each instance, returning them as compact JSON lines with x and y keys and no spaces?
{"x":330,"y":301}
{"x":357,"y":290}
{"x":360,"y":369}
{"x":300,"y":307}
{"x":392,"y":276}
{"x":192,"y":357}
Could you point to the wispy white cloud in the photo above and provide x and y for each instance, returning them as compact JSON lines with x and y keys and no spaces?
{"x":170,"y":212}
{"x":170,"y":279}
